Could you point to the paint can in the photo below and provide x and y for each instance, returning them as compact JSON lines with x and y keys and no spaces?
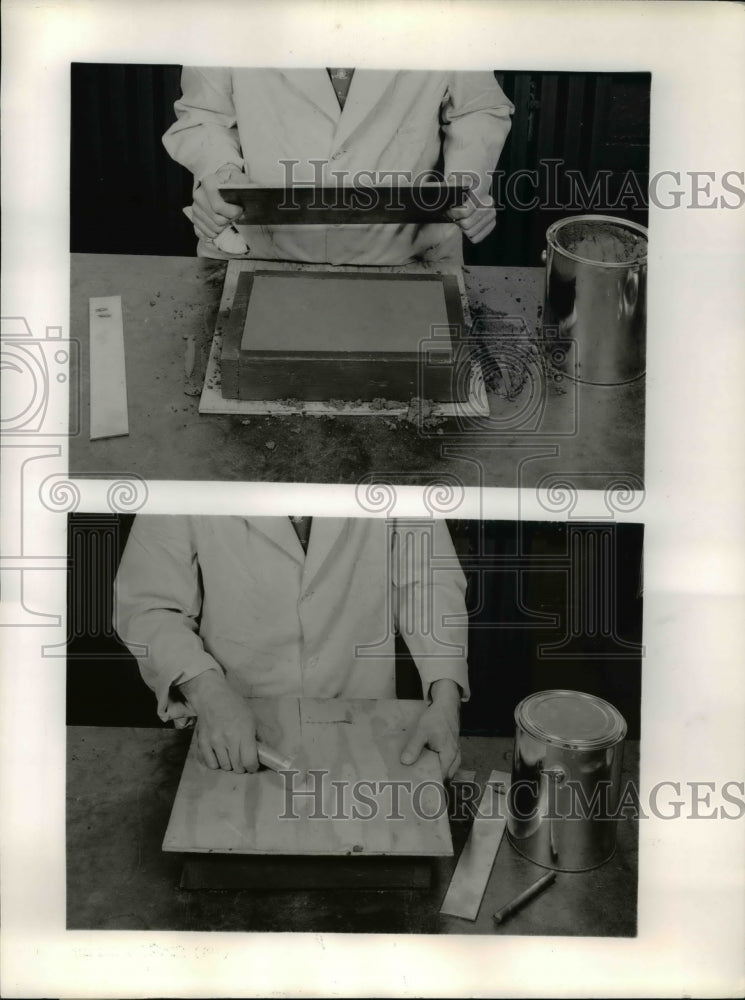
{"x":565,"y":780}
{"x":595,"y":309}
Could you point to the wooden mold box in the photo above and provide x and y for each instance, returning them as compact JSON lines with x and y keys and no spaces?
{"x":353,"y":741}
{"x":345,"y":334}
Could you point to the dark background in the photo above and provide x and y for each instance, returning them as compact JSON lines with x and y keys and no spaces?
{"x":127,"y":194}
{"x":523,"y":589}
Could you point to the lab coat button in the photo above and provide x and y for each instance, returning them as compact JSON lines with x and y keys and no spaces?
{"x":337,"y":155}
{"x":313,"y":662}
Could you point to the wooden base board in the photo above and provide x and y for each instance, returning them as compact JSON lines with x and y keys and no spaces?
{"x":300,"y":873}
{"x":336,"y":799}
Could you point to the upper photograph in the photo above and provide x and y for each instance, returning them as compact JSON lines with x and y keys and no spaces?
{"x":345,"y":275}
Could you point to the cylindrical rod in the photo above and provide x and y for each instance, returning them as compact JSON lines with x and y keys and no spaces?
{"x":518,"y":901}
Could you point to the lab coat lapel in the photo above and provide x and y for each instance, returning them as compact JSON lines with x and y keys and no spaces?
{"x":314,"y":84}
{"x":365,"y":91}
{"x":325,"y":534}
{"x":280,"y":531}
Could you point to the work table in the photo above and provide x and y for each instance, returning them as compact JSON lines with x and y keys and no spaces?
{"x":121,"y":784}
{"x":539,"y":425}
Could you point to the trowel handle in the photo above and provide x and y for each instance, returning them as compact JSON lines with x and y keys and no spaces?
{"x":272,"y":759}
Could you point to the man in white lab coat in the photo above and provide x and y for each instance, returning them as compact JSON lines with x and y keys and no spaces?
{"x":250,"y":124}
{"x":218,"y":607}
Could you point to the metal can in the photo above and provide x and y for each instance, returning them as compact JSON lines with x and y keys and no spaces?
{"x":596,"y":290}
{"x":566,"y":780}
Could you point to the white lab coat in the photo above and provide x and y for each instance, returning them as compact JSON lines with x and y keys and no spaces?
{"x":240,"y":595}
{"x":413,"y":121}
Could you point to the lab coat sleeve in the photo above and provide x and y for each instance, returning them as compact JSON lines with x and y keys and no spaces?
{"x":475,"y":119}
{"x":158,"y":602}
{"x":204,"y":136}
{"x":429,"y":589}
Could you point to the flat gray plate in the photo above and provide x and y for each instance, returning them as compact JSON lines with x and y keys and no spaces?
{"x":290,"y":312}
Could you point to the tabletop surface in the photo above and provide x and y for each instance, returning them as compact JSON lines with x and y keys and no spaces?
{"x":541,"y":425}
{"x":121,"y":784}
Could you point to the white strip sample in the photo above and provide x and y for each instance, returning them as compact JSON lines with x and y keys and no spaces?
{"x":108,"y":379}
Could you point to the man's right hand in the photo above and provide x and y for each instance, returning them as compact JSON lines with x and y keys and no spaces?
{"x":226,"y":728}
{"x":211,"y":214}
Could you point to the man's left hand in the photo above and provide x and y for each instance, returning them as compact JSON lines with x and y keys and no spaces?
{"x":438,"y":728}
{"x":477,"y":216}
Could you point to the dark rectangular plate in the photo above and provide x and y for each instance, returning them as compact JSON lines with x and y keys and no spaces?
{"x":344,"y":206}
{"x":298,"y":872}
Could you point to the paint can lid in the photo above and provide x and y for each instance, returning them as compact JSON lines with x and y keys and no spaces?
{"x":571,"y":719}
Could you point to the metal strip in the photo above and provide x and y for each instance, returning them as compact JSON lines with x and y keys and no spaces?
{"x":108,"y":379}
{"x":471,"y":875}
{"x":304,"y":204}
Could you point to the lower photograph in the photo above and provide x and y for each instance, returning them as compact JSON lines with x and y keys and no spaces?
{"x":360,"y":725}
